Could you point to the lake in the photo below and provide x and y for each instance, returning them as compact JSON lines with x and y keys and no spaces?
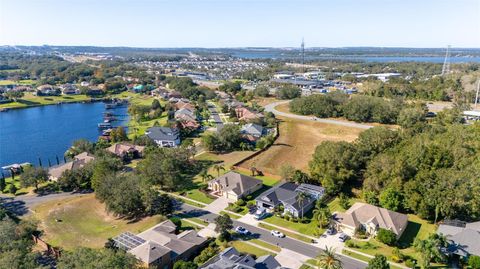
{"x":48,"y":131}
{"x":380,"y":59}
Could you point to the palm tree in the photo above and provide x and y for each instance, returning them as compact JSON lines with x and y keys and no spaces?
{"x":430,"y":249}
{"x":328,"y":259}
{"x":322,"y":215}
{"x":205,"y":175}
{"x":218,"y":167}
{"x":301,"y":200}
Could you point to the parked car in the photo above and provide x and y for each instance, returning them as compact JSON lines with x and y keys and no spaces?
{"x":343,"y":237}
{"x":241,"y":230}
{"x":277,"y":234}
{"x":260,"y":214}
{"x":331,"y":231}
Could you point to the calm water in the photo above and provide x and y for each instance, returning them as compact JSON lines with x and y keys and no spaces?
{"x":429,"y":59}
{"x":48,"y":131}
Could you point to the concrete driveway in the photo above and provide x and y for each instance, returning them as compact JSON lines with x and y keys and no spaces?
{"x":218,"y":205}
{"x":331,"y":241}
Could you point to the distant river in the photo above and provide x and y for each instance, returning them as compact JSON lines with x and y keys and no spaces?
{"x":48,"y":131}
{"x":386,"y":59}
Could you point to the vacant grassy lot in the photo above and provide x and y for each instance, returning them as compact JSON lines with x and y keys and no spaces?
{"x":296,"y":144}
{"x":83,"y":221}
{"x":32,"y":100}
{"x":310,"y":228}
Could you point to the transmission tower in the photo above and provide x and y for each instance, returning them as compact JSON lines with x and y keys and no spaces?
{"x":303,"y":56}
{"x":446,"y":62}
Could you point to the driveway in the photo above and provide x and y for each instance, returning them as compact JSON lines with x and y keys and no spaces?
{"x":271,"y":108}
{"x":331,"y":241}
{"x":291,"y":259}
{"x":218,"y":205}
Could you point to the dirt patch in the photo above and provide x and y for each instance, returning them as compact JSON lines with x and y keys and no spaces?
{"x":297,"y":142}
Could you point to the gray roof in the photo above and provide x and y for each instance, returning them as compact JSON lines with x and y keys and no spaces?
{"x":230,"y":258}
{"x":158,"y":241}
{"x":163,"y":133}
{"x":285,"y":194}
{"x":236,"y":182}
{"x":252,"y":129}
{"x":464,"y":241}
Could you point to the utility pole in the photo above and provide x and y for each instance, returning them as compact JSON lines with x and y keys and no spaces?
{"x":446,"y":62}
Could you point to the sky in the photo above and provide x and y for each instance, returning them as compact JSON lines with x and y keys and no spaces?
{"x":241,"y":23}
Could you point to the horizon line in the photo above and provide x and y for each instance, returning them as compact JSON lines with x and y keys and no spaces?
{"x":238,"y":47}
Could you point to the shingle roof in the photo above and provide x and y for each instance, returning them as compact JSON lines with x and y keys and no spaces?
{"x":230,"y":258}
{"x":163,"y":133}
{"x":236,"y":182}
{"x":464,"y":240}
{"x":252,"y":128}
{"x":363,"y":213}
{"x":149,"y":251}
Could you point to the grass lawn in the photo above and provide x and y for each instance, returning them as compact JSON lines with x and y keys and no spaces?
{"x":417,"y":228}
{"x":19,"y":82}
{"x":230,"y":214}
{"x":197,"y":195}
{"x":32,"y":100}
{"x":287,"y":233}
{"x":335,"y":206}
{"x":265,"y":245}
{"x":249,"y":249}
{"x":83,"y":221}
{"x":188,"y":202}
{"x":297,"y":142}
{"x":310,"y":228}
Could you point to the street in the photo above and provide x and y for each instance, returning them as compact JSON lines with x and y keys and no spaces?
{"x":214,"y":114}
{"x":289,"y":243}
{"x":271,"y":108}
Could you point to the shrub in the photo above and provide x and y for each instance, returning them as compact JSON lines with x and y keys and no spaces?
{"x":249,"y":198}
{"x":386,"y":236}
{"x":349,"y":243}
{"x":474,"y":262}
{"x":240,"y":202}
{"x":410,"y":263}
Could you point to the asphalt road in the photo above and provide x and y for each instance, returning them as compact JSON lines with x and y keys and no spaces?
{"x":21,"y":205}
{"x":214,"y":113}
{"x":288,"y":243}
{"x":271,"y":108}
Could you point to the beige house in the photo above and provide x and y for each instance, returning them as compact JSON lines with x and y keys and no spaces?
{"x":125,"y":149}
{"x":160,"y":246}
{"x":234,"y":186}
{"x":369,"y":218}
{"x":78,"y":162}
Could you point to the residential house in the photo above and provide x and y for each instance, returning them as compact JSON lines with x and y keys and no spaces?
{"x":78,"y":162}
{"x":463,"y":238}
{"x":164,"y":136}
{"x":252,"y":131}
{"x":47,"y":90}
{"x":370,"y":218}
{"x":126,"y":150}
{"x":174,"y":94}
{"x":247,"y":114}
{"x":182,"y":104}
{"x":231,"y":258}
{"x":84,"y":84}
{"x":287,"y":195}
{"x":68,"y":89}
{"x":185,"y":114}
{"x":160,"y":246}
{"x":234,"y":186}
{"x":95,"y":91}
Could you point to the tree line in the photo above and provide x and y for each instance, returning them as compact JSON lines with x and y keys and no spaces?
{"x":430,"y":169}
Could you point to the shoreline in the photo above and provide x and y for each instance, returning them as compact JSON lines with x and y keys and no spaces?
{"x":91,"y":100}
